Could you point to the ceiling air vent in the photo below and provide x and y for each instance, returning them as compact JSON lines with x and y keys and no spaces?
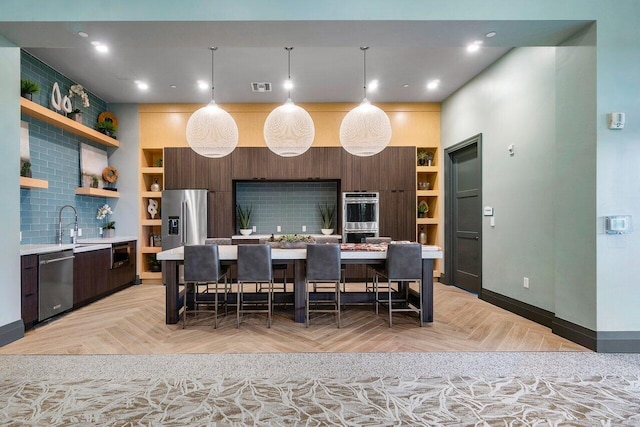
{"x":261,"y":86}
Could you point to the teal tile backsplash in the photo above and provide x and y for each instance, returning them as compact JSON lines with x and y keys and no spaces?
{"x":287,"y":204}
{"x":55,"y":157}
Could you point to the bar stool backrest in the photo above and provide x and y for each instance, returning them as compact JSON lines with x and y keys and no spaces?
{"x":404,"y":261}
{"x":201,"y":263}
{"x":254,"y":263}
{"x":323,"y":262}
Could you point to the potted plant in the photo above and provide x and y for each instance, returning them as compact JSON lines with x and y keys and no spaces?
{"x":107,"y":127}
{"x":244,"y":219}
{"x":28,"y":88}
{"x":294,"y":241}
{"x":25,"y":169}
{"x":155,"y":265}
{"x":109,"y":229}
{"x":423,"y":208}
{"x":327,"y":213}
{"x":77,"y":91}
{"x":94,"y":181}
{"x":422,"y":157}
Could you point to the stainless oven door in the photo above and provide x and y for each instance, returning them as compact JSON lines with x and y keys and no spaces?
{"x":361,"y":214}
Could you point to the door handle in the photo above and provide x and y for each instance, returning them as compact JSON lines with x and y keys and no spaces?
{"x":477,"y":238}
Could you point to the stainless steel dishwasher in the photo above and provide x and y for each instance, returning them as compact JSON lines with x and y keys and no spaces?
{"x":55,"y":283}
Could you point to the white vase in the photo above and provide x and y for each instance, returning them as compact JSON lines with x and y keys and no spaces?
{"x":245,"y":231}
{"x":327,"y":231}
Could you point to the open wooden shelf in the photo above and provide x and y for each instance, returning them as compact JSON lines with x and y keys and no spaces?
{"x":427,"y":193}
{"x":151,"y":222}
{"x":96,"y":192}
{"x":427,"y":221}
{"x":33,"y":183}
{"x":150,"y":249}
{"x":152,"y":170}
{"x":151,"y":194}
{"x":433,"y":169}
{"x":46,"y":115}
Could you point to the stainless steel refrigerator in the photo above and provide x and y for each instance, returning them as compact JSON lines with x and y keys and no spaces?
{"x":184,"y":218}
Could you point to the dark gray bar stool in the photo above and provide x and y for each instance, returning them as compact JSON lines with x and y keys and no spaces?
{"x":373,"y":268}
{"x":330,"y":240}
{"x":276,"y":267}
{"x":254,"y":266}
{"x":203,"y":274}
{"x":404,"y":264}
{"x":323,"y":265}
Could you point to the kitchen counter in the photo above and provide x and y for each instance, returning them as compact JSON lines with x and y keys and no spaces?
{"x":46,"y":248}
{"x":109,"y":240}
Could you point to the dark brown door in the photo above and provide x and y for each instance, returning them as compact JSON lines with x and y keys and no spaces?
{"x":465,"y":216}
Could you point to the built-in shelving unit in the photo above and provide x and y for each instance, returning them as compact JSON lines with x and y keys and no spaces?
{"x":427,"y":178}
{"x":96,"y":192}
{"x":150,"y":171}
{"x":26,"y":182}
{"x":46,"y":115}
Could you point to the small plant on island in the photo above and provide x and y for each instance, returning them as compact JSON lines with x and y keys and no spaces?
{"x":295,"y":238}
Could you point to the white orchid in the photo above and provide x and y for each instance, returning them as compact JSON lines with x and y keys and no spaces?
{"x":103,"y":212}
{"x":78,"y":90}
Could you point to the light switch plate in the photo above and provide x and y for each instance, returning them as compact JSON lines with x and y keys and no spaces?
{"x":488,"y":211}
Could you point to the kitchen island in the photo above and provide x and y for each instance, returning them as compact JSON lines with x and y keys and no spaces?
{"x":172,"y":258}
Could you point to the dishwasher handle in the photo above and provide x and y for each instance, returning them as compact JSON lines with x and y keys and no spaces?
{"x":50,"y":261}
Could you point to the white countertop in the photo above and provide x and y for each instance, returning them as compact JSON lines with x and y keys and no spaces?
{"x":83,"y":245}
{"x":230,"y":252}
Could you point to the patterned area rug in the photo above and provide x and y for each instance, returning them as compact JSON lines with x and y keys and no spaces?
{"x":377,"y":401}
{"x":212,"y":390}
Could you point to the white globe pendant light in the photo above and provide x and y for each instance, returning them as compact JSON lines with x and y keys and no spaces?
{"x":366,"y":129}
{"x":289,"y":129}
{"x":211,"y":131}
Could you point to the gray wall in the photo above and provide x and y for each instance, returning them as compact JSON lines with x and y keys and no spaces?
{"x":513,"y":102}
{"x":10,"y":189}
{"x":126,"y":158}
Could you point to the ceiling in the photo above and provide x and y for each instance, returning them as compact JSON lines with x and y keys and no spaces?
{"x":326,"y":62}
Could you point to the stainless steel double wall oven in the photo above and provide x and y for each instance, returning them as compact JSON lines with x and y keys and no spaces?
{"x":360,"y":216}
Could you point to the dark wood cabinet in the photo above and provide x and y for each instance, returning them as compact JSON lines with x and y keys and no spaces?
{"x":254,"y":163}
{"x":29,"y":289}
{"x":184,"y":168}
{"x":220,"y":212}
{"x":90,"y":275}
{"x":397,"y":214}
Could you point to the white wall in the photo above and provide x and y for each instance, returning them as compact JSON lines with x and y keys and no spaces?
{"x":513,"y":102}
{"x":10,"y":189}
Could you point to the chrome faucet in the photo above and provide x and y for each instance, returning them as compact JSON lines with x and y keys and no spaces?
{"x":75,"y":225}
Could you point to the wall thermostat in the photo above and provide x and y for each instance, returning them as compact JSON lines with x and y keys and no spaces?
{"x":618,"y":224}
{"x":615,"y":120}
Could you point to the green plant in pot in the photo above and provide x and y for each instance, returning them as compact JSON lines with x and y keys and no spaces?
{"x":154,"y":264}
{"x":28,"y":88}
{"x":327,"y":213}
{"x":107,"y":127}
{"x":422,"y":157}
{"x":244,"y":219}
{"x":25,"y":169}
{"x":423,"y":208}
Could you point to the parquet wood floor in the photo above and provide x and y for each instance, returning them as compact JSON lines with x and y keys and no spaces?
{"x":132,"y":322}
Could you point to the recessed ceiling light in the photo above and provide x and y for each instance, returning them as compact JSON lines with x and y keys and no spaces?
{"x":83,"y":34}
{"x":202,"y":85}
{"x":102,"y":48}
{"x":288,"y":84}
{"x":433,"y":84}
{"x":173,"y":86}
{"x":475,"y":46}
{"x":373,"y":85}
{"x":491,"y":34}
{"x":405,"y":85}
{"x":142,"y":85}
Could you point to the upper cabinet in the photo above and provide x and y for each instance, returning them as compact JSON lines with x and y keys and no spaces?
{"x":46,"y":115}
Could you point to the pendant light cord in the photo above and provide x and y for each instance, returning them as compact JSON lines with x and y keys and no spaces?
{"x":364,"y":66}
{"x":289,"y":49}
{"x":213,"y":49}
